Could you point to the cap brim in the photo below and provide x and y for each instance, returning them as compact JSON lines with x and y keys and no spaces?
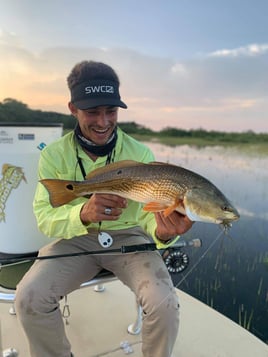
{"x":98,"y":102}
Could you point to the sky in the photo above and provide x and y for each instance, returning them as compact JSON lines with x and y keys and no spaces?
{"x":182,"y":63}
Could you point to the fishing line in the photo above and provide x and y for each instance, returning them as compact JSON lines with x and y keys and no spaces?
{"x":199,"y":260}
{"x":220,"y":251}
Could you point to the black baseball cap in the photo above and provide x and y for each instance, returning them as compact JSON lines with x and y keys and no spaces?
{"x":95,"y":93}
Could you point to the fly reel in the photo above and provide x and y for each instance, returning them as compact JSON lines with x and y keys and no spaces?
{"x":176,"y":260}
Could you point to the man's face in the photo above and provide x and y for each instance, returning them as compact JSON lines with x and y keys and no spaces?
{"x":97,"y":124}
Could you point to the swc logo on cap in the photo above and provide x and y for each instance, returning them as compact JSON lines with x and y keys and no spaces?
{"x":99,"y":89}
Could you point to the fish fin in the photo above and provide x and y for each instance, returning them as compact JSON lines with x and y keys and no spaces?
{"x":177,"y":206}
{"x":158,"y":207}
{"x":160,"y":163}
{"x":169,"y":210}
{"x":178,"y":203}
{"x":155,"y":207}
{"x":59,"y":193}
{"x":157,"y":163}
{"x":113,"y":166}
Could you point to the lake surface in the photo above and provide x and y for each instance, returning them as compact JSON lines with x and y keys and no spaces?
{"x":229,"y":272}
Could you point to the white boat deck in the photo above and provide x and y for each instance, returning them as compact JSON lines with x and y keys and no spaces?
{"x":99,"y":320}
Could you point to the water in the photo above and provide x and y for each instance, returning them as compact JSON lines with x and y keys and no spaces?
{"x":233,"y":276}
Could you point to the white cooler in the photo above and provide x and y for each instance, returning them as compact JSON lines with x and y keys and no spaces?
{"x":20,"y":147}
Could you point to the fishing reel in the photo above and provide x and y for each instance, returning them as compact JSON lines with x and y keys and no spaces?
{"x":176,"y":259}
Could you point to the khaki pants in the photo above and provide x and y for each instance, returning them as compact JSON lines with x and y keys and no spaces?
{"x":39,"y":292}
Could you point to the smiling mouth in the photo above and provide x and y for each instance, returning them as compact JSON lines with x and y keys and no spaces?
{"x":101,"y":131}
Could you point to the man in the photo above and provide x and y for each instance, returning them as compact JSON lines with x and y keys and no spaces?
{"x":94,"y":223}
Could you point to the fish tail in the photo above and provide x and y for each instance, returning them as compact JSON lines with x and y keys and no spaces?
{"x":60,"y":191}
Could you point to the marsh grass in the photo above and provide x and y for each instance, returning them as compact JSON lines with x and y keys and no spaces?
{"x":231,"y":278}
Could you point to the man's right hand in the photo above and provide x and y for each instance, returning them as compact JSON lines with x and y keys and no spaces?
{"x":94,"y":209}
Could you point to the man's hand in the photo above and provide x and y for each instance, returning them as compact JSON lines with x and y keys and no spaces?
{"x":172,"y":225}
{"x":94,"y":209}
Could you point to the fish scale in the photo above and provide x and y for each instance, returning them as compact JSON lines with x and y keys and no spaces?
{"x":144,"y":188}
{"x":160,"y":186}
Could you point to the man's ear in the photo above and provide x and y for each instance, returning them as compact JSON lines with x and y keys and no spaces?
{"x":72,"y":108}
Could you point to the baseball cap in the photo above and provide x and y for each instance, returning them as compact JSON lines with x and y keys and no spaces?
{"x":95,"y":93}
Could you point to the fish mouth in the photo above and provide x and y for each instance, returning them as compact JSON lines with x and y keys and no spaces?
{"x":227,"y":221}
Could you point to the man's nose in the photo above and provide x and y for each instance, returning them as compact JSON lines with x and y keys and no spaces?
{"x":103,"y":118}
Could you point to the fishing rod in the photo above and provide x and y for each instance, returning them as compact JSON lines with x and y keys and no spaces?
{"x":172,"y":255}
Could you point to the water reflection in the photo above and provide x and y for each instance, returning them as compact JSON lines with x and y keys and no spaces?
{"x":232,"y":277}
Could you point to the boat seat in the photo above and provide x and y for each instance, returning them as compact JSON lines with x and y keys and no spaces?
{"x":12,"y":273}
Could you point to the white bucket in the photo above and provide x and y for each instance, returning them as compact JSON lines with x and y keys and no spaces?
{"x":20,"y":147}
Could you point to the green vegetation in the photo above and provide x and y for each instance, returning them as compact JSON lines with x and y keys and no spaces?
{"x":249,"y":141}
{"x":12,"y":110}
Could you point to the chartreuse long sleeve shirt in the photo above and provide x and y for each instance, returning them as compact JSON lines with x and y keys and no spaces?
{"x":59,"y":160}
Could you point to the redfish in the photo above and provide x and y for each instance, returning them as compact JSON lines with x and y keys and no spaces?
{"x":159,"y":186}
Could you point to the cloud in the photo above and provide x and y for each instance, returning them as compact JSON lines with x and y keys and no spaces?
{"x":9,"y":38}
{"x":250,"y":50}
{"x":179,"y":68}
{"x":247,"y":213}
{"x":224,"y":92}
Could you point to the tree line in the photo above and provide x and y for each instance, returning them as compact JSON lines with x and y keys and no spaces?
{"x":15,"y":111}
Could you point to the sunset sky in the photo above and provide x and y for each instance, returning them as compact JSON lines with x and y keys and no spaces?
{"x":182,"y":63}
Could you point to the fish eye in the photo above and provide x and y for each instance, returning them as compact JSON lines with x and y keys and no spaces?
{"x":226,"y":208}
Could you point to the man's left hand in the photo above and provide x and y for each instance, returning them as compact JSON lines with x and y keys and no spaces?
{"x":172,"y":225}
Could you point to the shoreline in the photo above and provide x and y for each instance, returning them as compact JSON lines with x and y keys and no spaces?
{"x":242,"y":147}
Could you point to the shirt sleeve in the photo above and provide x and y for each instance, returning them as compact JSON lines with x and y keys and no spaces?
{"x":59,"y":222}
